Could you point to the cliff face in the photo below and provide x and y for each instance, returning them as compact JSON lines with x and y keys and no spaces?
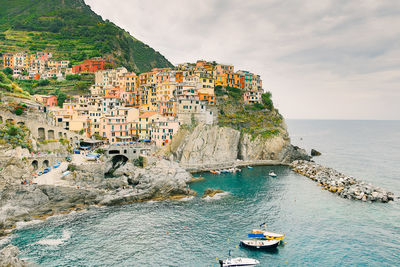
{"x":207,"y":144}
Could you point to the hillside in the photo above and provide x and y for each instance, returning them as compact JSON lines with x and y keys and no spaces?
{"x":71,"y":30}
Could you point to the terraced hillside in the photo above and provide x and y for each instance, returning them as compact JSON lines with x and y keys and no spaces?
{"x":71,"y":30}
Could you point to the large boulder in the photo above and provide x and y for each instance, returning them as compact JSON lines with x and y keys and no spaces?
{"x":315,"y":153}
{"x":9,"y":257}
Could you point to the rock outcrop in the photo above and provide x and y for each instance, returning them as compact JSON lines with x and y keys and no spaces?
{"x":207,"y":144}
{"x":344,"y":186}
{"x":160,"y":180}
{"x":9,"y":257}
{"x":315,"y":153}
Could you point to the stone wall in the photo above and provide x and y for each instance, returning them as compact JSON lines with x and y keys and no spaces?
{"x":39,"y":127}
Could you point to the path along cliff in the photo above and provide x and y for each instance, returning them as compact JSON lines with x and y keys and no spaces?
{"x":211,"y":146}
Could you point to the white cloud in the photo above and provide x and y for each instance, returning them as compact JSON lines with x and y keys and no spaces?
{"x":321,"y":59}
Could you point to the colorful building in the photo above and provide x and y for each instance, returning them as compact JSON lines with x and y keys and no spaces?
{"x":93,"y":65}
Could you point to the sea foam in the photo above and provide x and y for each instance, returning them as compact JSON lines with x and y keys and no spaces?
{"x":56,"y":241}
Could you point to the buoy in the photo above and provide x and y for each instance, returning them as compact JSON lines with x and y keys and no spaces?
{"x":167,"y":233}
{"x":286,"y":261}
{"x":216,"y":258}
{"x":284,"y":243}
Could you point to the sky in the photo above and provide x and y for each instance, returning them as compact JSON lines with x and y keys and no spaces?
{"x":320,"y":59}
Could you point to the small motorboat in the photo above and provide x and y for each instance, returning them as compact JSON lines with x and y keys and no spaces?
{"x":230,"y":262}
{"x":39,"y":173}
{"x":260,"y":244}
{"x":249,"y":167}
{"x":56,"y":165}
{"x":272,"y":174}
{"x":213,"y":172}
{"x":48,"y":169}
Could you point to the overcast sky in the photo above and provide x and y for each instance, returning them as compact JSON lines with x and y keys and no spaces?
{"x":321,"y":59}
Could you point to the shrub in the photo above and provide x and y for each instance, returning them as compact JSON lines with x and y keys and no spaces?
{"x":18,"y":111}
{"x":139,"y":161}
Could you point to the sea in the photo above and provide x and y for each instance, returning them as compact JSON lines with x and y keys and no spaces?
{"x":321,"y":229}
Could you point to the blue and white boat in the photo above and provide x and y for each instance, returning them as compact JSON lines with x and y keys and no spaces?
{"x":56,"y":165}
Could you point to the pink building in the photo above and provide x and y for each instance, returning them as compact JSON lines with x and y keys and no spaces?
{"x":47,"y":100}
{"x":163,"y":130}
{"x":118,"y":125}
{"x":251,"y":97}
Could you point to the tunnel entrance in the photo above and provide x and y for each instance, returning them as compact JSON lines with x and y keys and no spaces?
{"x":117,"y":161}
{"x":35,"y":165}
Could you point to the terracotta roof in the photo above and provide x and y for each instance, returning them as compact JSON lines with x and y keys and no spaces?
{"x":147,"y":114}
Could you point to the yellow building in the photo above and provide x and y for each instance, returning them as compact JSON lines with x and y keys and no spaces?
{"x":143,"y":125}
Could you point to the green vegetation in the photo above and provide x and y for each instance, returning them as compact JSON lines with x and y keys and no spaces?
{"x":256,"y":120}
{"x":16,"y":135}
{"x":61,"y":89}
{"x":8,"y":85}
{"x":71,"y":30}
{"x":139,"y":162}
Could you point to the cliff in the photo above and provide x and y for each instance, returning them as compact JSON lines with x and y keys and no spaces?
{"x":213,"y":144}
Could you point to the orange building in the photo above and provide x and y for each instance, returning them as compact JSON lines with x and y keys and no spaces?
{"x":8,"y":61}
{"x":92,"y":65}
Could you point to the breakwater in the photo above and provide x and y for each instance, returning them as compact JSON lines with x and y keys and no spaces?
{"x":345,"y":186}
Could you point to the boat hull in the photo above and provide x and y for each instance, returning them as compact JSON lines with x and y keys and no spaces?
{"x":259,"y":245}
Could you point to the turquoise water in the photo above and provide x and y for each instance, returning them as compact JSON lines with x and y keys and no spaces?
{"x":321,"y":228}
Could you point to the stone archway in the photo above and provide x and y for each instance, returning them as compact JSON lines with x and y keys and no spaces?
{"x":41,"y":134}
{"x":10,"y":121}
{"x":1,"y":119}
{"x":35,"y":165}
{"x":20,"y":123}
{"x":50,"y":135}
{"x":65,"y":136}
{"x":45,"y":163}
{"x":60,"y":135}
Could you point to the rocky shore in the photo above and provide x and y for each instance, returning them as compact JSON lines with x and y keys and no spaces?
{"x":340,"y":184}
{"x":160,"y":180}
{"x":9,"y":257}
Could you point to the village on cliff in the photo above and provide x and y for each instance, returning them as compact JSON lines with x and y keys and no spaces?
{"x":124,"y":106}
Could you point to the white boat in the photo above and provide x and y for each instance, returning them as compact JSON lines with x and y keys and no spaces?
{"x":231,"y":262}
{"x":272,"y":174}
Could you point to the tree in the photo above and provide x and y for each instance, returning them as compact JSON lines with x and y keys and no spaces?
{"x":61,"y":97}
{"x":18,"y":111}
{"x":8,"y":71}
{"x":266,"y":99}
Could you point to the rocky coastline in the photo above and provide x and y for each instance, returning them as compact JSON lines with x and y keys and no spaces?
{"x":160,"y":180}
{"x":340,"y":184}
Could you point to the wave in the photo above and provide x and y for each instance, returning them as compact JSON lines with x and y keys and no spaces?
{"x":23,"y":224}
{"x":216,"y":196}
{"x":55,"y":242}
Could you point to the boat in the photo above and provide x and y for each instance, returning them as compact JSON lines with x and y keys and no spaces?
{"x":272,"y":173}
{"x":260,"y":244}
{"x":39,"y":173}
{"x":65,"y":173}
{"x":213,"y":172}
{"x":56,"y":165}
{"x":249,"y":167}
{"x":48,"y":169}
{"x":225,"y":171}
{"x":230,"y":262}
{"x":257,"y":233}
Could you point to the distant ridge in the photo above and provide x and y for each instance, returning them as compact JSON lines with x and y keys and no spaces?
{"x":71,"y":30}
